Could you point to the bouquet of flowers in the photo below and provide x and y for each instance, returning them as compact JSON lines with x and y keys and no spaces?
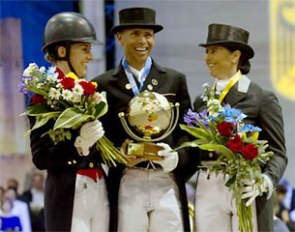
{"x":221,"y":129}
{"x":67,"y":100}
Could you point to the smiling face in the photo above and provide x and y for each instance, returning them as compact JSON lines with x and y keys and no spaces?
{"x":80,"y":56}
{"x":137,"y":44}
{"x":222,"y":63}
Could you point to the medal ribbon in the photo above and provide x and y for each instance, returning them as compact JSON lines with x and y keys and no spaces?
{"x":232,"y":82}
{"x":130,"y":77}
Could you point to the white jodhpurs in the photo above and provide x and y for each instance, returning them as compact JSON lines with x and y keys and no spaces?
{"x":149,"y":201}
{"x":91,"y":206}
{"x":215,"y":209}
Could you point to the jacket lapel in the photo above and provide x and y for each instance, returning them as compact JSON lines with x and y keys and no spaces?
{"x":120,"y":81}
{"x":154,"y":79}
{"x":238,"y":91}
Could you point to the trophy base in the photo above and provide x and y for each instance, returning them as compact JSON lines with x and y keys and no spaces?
{"x":146,"y":150}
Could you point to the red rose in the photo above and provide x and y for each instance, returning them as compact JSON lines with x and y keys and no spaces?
{"x":250,"y":151}
{"x":38,"y":99}
{"x":235,"y":144}
{"x":68,"y":83}
{"x":225,"y":128}
{"x":88,"y":87}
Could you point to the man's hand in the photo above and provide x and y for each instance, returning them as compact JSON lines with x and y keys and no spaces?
{"x":90,"y":133}
{"x":131,"y":159}
{"x":170,"y":160}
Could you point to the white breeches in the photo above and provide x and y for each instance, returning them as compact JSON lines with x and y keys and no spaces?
{"x":215,"y":209}
{"x":149,"y":201}
{"x":91,"y":206}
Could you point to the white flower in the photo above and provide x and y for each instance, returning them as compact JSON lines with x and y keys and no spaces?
{"x":204,"y":98}
{"x":98,"y":98}
{"x":67,"y":94}
{"x":42,"y":70}
{"x":40,"y":85}
{"x":54,"y":93}
{"x":78,"y":90}
{"x":213,"y":106}
{"x":52,"y":77}
{"x":29,"y":70}
{"x":75,"y":98}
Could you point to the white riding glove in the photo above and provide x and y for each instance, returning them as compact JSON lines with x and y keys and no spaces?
{"x":170,"y":160}
{"x":251,"y":189}
{"x":90,"y":132}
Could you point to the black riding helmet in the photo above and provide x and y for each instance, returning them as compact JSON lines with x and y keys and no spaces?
{"x":64,"y":29}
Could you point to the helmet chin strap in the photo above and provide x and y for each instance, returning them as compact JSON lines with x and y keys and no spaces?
{"x":67,"y":58}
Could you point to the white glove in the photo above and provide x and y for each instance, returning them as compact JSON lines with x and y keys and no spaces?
{"x":251,"y":189}
{"x":90,"y":132}
{"x":170,"y":160}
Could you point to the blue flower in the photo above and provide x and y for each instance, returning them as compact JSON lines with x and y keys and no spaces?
{"x":249,"y":128}
{"x":233,"y":115}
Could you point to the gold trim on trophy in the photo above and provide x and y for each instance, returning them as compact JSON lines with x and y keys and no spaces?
{"x":151,"y":118}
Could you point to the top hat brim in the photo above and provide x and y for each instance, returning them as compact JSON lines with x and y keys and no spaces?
{"x":121,"y":27}
{"x":247,"y":51}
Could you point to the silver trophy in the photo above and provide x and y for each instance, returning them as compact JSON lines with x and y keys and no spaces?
{"x":150,"y":118}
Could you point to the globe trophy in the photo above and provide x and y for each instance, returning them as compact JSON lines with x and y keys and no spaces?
{"x":150,"y":118}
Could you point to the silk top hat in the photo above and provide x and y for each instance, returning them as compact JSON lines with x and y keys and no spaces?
{"x":229,"y":36}
{"x":137,"y":17}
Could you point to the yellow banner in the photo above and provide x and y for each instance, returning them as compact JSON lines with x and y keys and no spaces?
{"x":282,"y":46}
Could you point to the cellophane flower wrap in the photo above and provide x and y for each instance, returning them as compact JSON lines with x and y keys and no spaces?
{"x":70,"y":102}
{"x":221,"y":129}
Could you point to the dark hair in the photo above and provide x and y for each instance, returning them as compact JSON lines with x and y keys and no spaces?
{"x":281,"y":189}
{"x":52,"y":51}
{"x":244,"y":64}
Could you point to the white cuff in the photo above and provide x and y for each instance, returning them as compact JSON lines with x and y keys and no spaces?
{"x":82,"y":146}
{"x":269,"y":183}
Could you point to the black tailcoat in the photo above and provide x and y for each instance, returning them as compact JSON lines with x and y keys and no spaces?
{"x":163,"y":81}
{"x":263,"y":110}
{"x":61,"y":162}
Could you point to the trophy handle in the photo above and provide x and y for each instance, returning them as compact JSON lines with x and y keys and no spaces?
{"x":172,"y":124}
{"x":127,"y":129}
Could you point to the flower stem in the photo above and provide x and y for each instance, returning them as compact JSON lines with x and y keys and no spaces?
{"x":245,"y":216}
{"x":109,"y":153}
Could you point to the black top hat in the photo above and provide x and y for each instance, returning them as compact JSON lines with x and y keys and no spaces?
{"x":137,"y":17}
{"x":229,"y":36}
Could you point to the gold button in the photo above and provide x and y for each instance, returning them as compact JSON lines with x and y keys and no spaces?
{"x":91,"y":165}
{"x":150,"y":87}
{"x":69,"y":163}
{"x":154,"y":82}
{"x":74,"y":161}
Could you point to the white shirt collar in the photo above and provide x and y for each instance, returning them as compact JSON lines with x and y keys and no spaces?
{"x":137,"y":73}
{"x":221,"y":84}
